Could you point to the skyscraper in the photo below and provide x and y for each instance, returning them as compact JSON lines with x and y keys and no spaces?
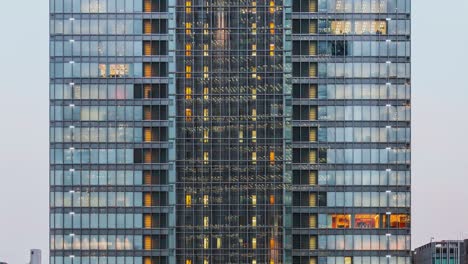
{"x":256,"y":131}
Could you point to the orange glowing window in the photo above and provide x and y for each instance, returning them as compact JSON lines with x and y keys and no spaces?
{"x":188,"y":7}
{"x":148,"y":221}
{"x":272,"y":199}
{"x":399,"y":221}
{"x":188,"y":93}
{"x":188,"y":71}
{"x":148,"y":243}
{"x":272,"y":157}
{"x":272,"y":49}
{"x":272,"y":28}
{"x":188,"y":28}
{"x":188,"y":114}
{"x":272,"y":6}
{"x":341,"y":221}
{"x":366,"y":221}
{"x":206,"y":91}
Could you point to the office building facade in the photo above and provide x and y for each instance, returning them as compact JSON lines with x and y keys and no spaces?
{"x":257,"y":131}
{"x":445,"y":251}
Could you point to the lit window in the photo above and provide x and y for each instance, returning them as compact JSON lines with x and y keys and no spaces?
{"x":188,"y":114}
{"x":188,"y":71}
{"x":348,"y":260}
{"x":254,"y":7}
{"x":272,"y":6}
{"x":254,"y":261}
{"x":148,"y":221}
{"x":341,"y":221}
{"x":254,"y":28}
{"x":312,"y":156}
{"x":206,"y":221}
{"x":218,"y":242}
{"x":148,"y":199}
{"x":313,"y":243}
{"x":366,"y":221}
{"x":188,"y":28}
{"x":188,"y":92}
{"x":312,"y":200}
{"x":254,"y":157}
{"x":188,"y":261}
{"x":205,"y":200}
{"x":254,"y":243}
{"x":241,"y":136}
{"x":254,"y":114}
{"x":188,"y":7}
{"x":206,"y":135}
{"x":272,"y":28}
{"x":254,"y":136}
{"x":254,"y":200}
{"x":205,"y":29}
{"x":272,"y":199}
{"x":399,"y":221}
{"x":205,"y":261}
{"x":205,"y":93}
{"x":254,"y":72}
{"x":272,"y":49}
{"x":188,"y":49}
{"x":188,"y":200}
{"x":205,"y":114}
{"x":205,"y":49}
{"x":206,"y":157}
{"x":254,"y":93}
{"x":148,"y":243}
{"x":313,"y":221}
{"x":254,"y":221}
{"x":254,"y":49}
{"x":272,"y":157}
{"x":205,"y":72}
{"x":206,"y":242}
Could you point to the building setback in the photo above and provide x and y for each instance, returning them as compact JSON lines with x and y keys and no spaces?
{"x":445,"y":251}
{"x":226,"y":131}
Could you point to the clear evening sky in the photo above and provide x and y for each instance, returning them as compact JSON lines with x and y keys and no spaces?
{"x":440,"y":124}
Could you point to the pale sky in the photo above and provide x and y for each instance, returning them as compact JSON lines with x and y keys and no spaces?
{"x":440,"y":124}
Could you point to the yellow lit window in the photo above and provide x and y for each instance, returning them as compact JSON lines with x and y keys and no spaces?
{"x":218,"y":242}
{"x":148,"y":260}
{"x":341,"y":221}
{"x":206,"y":242}
{"x":254,"y":221}
{"x":254,"y":243}
{"x":205,"y":114}
{"x":188,"y":261}
{"x":313,"y":260}
{"x":272,"y":49}
{"x":254,"y":72}
{"x":312,"y":156}
{"x":272,"y":261}
{"x":148,"y":221}
{"x":254,"y":261}
{"x":206,"y":135}
{"x":312,"y":178}
{"x":254,"y":200}
{"x":341,"y":27}
{"x":312,"y":200}
{"x":313,"y":221}
{"x":206,"y":91}
{"x":188,"y":200}
{"x":188,"y":93}
{"x":312,"y":134}
{"x":147,"y":70}
{"x":188,"y":114}
{"x":254,"y":114}
{"x":254,"y":136}
{"x":272,"y":157}
{"x":312,"y":6}
{"x":188,"y":7}
{"x":313,"y":27}
{"x":206,"y":200}
{"x":254,"y":49}
{"x":272,"y":6}
{"x":206,"y":29}
{"x":147,"y":242}
{"x":312,"y":113}
{"x":313,"y":92}
{"x":148,"y":156}
{"x":188,"y":49}
{"x":205,"y":72}
{"x":206,"y":157}
{"x":188,"y":28}
{"x":272,"y":28}
{"x":254,"y":157}
{"x":254,"y":7}
{"x":206,"y":221}
{"x":254,"y":28}
{"x":148,"y":200}
{"x":348,"y":260}
{"x":205,"y":49}
{"x":399,"y":221}
{"x":241,"y":136}
{"x":188,"y":71}
{"x":313,"y":243}
{"x":205,"y":261}
{"x":312,"y":70}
